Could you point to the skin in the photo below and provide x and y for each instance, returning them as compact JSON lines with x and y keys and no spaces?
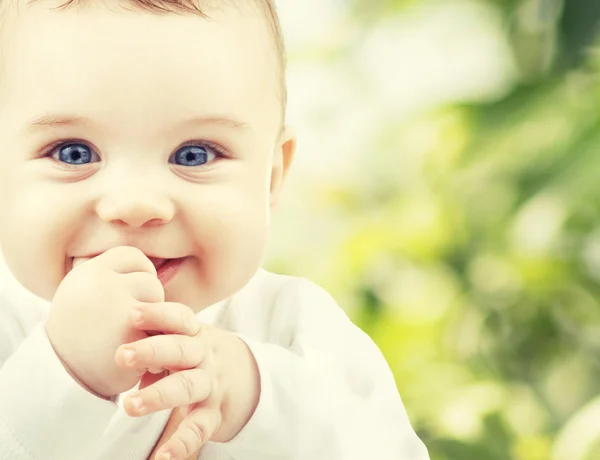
{"x":175,"y":79}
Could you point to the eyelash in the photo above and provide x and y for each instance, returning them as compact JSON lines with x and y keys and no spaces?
{"x":219,"y":151}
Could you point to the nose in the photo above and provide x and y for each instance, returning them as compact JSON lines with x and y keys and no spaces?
{"x":135,"y":208}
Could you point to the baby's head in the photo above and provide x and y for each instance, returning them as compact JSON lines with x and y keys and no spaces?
{"x":154,"y":124}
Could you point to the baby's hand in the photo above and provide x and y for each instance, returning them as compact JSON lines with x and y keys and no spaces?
{"x":89,"y":317}
{"x":212,"y":376}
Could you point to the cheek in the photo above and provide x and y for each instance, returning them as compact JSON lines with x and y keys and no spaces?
{"x":231,"y":223}
{"x":230,"y":232}
{"x":36,"y":227}
{"x":6,"y":181}
{"x":235,"y":213}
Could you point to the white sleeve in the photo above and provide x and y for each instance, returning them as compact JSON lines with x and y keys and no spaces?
{"x":327,"y":393}
{"x":44,"y":413}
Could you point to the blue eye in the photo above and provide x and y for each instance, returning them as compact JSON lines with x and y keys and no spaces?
{"x":193,"y":155}
{"x":74,"y":154}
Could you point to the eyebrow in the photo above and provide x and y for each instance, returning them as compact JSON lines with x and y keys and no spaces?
{"x":54,"y":121}
{"x":50,"y":121}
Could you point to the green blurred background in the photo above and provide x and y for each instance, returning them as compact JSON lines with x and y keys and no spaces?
{"x":446,"y":193}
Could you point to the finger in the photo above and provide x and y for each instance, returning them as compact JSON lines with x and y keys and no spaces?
{"x":193,"y":432}
{"x":176,"y":390}
{"x":150,"y":379}
{"x":162,"y":352}
{"x":126,"y":259}
{"x":79,"y":260}
{"x":167,"y":317}
{"x":145,"y":287}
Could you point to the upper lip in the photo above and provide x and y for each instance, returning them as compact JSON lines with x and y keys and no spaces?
{"x":158,"y":262}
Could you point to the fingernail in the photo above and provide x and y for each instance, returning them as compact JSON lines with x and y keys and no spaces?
{"x":129,"y":356}
{"x":137,"y":403}
{"x":166,"y":456}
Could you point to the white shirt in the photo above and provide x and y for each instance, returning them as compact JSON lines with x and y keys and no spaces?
{"x":326,"y":391}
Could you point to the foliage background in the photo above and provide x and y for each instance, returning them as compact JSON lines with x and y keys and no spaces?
{"x":446,"y":193}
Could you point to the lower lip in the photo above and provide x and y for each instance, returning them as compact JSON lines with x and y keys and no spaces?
{"x":167,"y":271}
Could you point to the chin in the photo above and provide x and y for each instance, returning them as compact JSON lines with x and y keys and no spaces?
{"x":198,"y":290}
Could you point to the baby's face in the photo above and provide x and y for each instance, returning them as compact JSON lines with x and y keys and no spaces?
{"x":131,"y":128}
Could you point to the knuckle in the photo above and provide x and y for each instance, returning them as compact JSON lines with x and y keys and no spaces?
{"x":151,"y":352}
{"x":147,"y":286}
{"x":164,"y":316}
{"x":155,"y":287}
{"x":182,"y":318}
{"x":198,"y":430}
{"x":132,"y":251}
{"x":186,"y":447}
{"x":205,"y":384}
{"x":188,"y":386}
{"x":141,"y":312}
{"x":111,"y":251}
{"x":144,"y":308}
{"x":202,"y":330}
{"x":181,"y":354}
{"x":214,"y":386}
{"x":122,"y":251}
{"x":199,"y":353}
{"x":152,"y":282}
{"x":158,"y":397}
{"x":185,"y":439}
{"x":147,"y":280}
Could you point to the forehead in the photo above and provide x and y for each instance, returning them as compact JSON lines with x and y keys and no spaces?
{"x":91,"y":57}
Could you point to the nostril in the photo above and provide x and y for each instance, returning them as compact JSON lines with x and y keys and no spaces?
{"x":135,"y":220}
{"x":133,"y":208}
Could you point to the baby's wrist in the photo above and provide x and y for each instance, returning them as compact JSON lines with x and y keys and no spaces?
{"x":81,"y":383}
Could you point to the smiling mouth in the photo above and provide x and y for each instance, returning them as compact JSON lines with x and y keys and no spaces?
{"x":166,"y":269}
{"x":158,"y":262}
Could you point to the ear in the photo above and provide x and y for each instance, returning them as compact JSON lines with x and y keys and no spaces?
{"x":282,"y":160}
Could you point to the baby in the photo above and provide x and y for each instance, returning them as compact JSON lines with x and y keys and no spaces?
{"x":143,"y":146}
